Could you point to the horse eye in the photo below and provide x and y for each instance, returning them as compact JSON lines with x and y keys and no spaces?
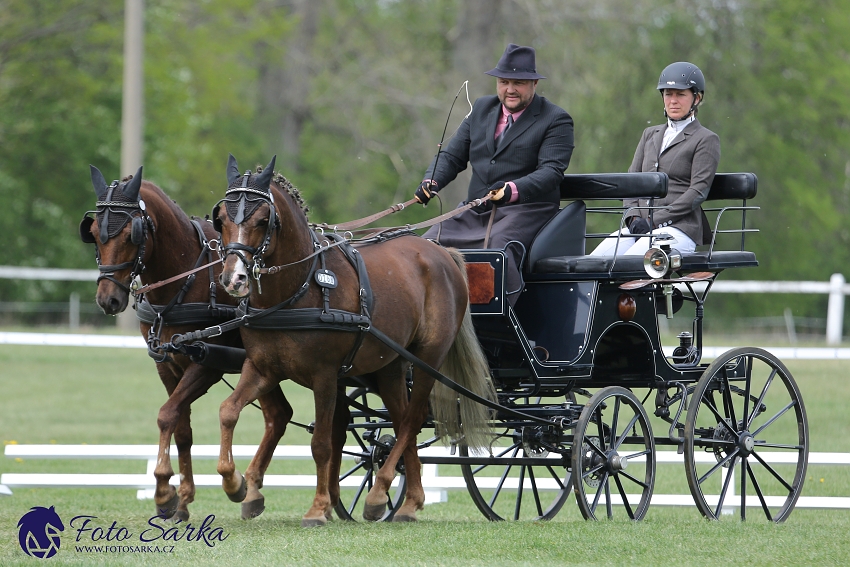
{"x":263,"y":222}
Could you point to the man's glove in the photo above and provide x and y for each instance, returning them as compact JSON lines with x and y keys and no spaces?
{"x":501,"y":192}
{"x":425,"y":191}
{"x":639,"y":225}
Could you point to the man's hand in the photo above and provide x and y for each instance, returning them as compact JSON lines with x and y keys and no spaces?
{"x":425,"y":191}
{"x":639,"y":225}
{"x":501,"y":192}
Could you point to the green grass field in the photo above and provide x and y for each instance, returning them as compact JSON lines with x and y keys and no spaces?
{"x":103,"y":396}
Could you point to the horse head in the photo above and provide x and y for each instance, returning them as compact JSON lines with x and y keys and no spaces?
{"x":118,"y":227}
{"x":247,"y":220}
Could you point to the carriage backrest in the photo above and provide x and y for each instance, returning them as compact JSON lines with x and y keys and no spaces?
{"x":560,"y":238}
{"x":733,"y":186}
{"x":614,"y":185}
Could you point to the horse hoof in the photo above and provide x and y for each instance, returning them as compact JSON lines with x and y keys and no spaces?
{"x":404,"y":518}
{"x":374,"y":512}
{"x":253,"y":508}
{"x":313,"y":522}
{"x":240,"y":494}
{"x":168,"y":509}
{"x":180,"y":516}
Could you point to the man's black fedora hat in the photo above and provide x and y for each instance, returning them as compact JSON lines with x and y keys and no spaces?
{"x":517,"y":62}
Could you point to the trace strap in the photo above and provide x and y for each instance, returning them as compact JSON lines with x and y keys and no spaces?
{"x":408,"y":356}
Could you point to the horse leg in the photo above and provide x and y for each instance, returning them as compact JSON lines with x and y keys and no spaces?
{"x":325,"y":398}
{"x":342,"y":416}
{"x":411,"y":424}
{"x":277,"y":412}
{"x":251,"y":385}
{"x":393,"y":389}
{"x":174,"y":420}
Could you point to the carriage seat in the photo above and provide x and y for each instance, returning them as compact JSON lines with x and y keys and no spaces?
{"x":565,"y":233}
{"x":544,"y":258}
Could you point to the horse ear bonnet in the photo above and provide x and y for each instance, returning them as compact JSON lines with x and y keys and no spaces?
{"x":240,"y":205}
{"x":114,"y":216}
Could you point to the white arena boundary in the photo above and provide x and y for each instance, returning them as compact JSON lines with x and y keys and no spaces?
{"x":435,"y":485}
{"x":136,"y":341}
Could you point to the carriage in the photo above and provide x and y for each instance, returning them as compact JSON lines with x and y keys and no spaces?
{"x":585,"y":392}
{"x":579,"y":367}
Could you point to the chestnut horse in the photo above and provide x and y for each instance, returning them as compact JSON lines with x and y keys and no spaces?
{"x":409,"y":288}
{"x":139,"y":231}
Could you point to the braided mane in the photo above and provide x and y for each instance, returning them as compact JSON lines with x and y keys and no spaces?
{"x":293,"y":191}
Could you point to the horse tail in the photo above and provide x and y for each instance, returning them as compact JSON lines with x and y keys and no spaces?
{"x":466,"y":364}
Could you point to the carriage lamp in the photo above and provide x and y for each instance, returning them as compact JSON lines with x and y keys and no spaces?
{"x":661,"y":259}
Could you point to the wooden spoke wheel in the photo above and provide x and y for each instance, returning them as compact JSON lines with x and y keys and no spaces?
{"x":613,"y":457}
{"x":746,"y":437}
{"x":370,"y":436}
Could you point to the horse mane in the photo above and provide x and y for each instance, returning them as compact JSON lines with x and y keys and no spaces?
{"x":285,"y":185}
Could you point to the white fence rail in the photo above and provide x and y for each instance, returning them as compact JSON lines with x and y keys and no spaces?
{"x":136,"y":341}
{"x":837,"y":287}
{"x":435,"y":486}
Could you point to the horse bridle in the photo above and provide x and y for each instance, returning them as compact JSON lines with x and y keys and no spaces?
{"x":139,"y":225}
{"x":242,"y":195}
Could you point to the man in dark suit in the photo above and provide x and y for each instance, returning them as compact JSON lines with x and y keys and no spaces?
{"x":519,"y":145}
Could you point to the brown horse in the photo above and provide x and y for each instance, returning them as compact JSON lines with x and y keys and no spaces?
{"x":139,"y":231}
{"x":411,"y":289}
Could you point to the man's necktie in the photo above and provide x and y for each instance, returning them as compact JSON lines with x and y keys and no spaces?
{"x":505,"y":131}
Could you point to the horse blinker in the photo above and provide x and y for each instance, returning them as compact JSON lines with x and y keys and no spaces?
{"x":85,"y":229}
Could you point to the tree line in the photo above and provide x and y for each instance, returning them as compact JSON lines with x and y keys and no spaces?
{"x":353,"y":96}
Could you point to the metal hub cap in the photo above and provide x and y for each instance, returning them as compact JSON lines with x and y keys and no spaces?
{"x":746,"y":443}
{"x":616,"y":463}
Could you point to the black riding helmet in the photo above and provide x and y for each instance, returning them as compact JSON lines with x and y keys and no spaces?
{"x":683,"y":75}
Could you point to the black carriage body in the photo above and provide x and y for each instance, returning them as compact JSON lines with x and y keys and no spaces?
{"x":567,"y":329}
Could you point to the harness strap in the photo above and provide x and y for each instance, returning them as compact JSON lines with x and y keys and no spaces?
{"x":448,"y":382}
{"x":428,"y":223}
{"x":489,"y":227}
{"x":366,"y":220}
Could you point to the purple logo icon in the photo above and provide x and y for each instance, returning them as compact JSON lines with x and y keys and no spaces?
{"x":38,"y":532}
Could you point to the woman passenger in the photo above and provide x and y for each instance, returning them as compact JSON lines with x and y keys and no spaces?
{"x":688,"y":153}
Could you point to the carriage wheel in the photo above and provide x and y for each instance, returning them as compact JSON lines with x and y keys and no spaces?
{"x":746,"y":425}
{"x":613,"y":456}
{"x":519,"y":491}
{"x":371,"y":438}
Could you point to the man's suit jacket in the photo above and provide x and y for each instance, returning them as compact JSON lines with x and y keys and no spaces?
{"x":534,"y":153}
{"x":690,"y":162}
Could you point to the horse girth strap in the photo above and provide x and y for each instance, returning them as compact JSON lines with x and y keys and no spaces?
{"x":185,"y":313}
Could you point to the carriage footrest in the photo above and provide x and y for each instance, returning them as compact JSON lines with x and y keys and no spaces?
{"x":696,"y":261}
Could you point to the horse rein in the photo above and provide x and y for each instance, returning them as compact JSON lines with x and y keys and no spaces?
{"x":374,"y":234}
